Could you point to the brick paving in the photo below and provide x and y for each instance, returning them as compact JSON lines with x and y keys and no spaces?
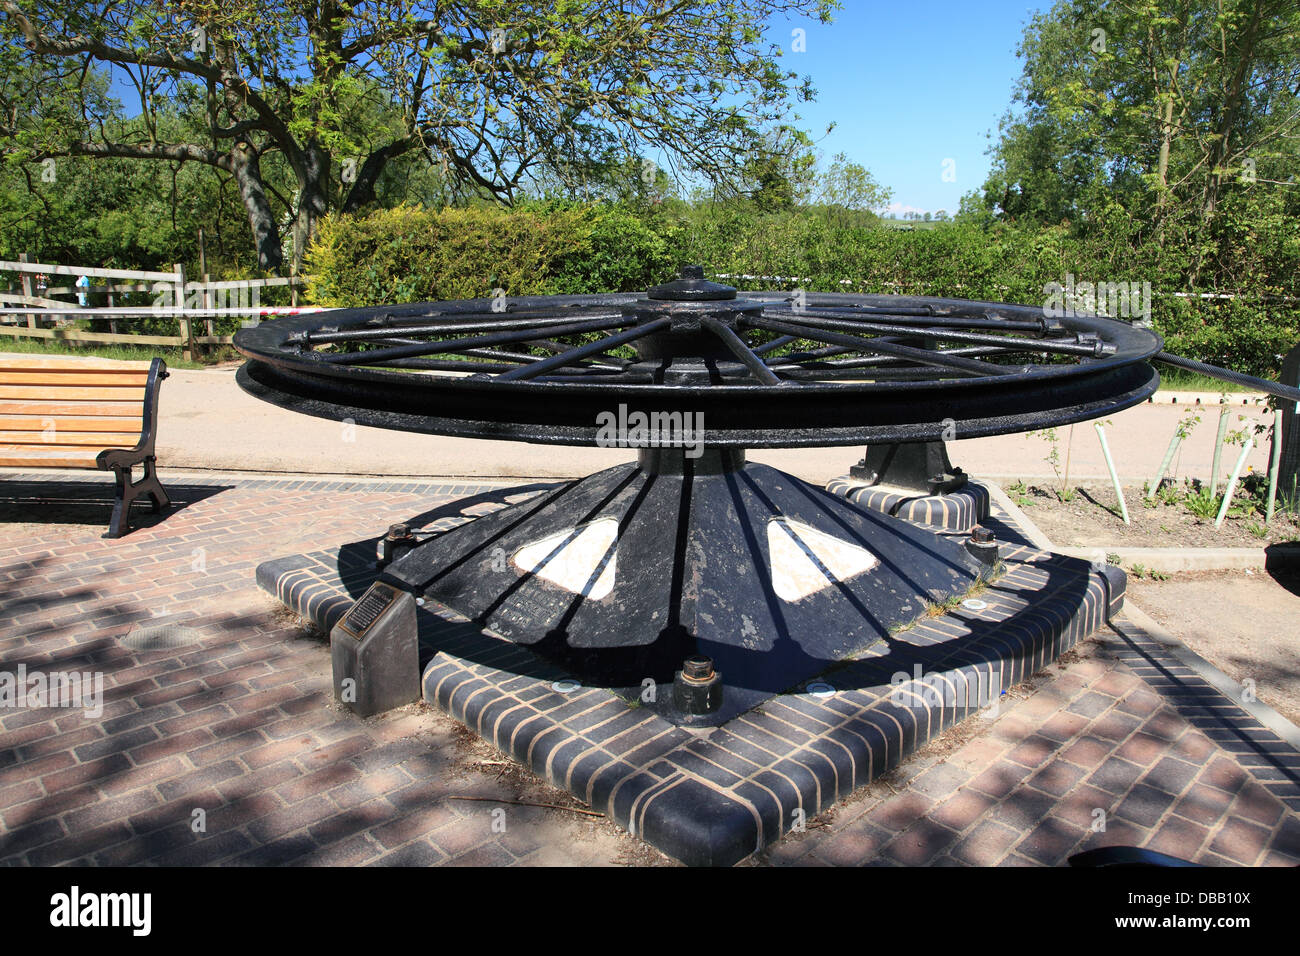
{"x":240,"y":725}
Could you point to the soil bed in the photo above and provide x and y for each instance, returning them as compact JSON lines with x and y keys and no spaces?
{"x":1092,"y":518}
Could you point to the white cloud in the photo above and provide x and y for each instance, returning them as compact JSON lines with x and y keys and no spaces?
{"x":902,"y":209}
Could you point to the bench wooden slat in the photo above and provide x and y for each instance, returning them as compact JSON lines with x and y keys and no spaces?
{"x":9,"y":360}
{"x":61,"y":437}
{"x":38,"y":456}
{"x":53,"y":393}
{"x":69,"y":423}
{"x":73,"y":408}
{"x":51,"y":378}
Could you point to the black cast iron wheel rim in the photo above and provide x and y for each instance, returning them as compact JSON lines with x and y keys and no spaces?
{"x":939,"y":368}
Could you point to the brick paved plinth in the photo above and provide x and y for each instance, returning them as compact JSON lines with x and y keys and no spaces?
{"x":714,"y":797}
{"x":958,"y":510}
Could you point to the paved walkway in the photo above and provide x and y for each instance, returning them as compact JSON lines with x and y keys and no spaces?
{"x":206,"y":421}
{"x":229,"y":749}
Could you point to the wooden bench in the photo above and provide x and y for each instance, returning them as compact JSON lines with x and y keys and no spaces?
{"x":70,"y":412}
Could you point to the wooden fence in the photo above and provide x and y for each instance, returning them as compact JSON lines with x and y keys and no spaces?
{"x":191,"y":303}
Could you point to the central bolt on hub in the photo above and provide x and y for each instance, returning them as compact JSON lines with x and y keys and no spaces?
{"x":697,"y":687}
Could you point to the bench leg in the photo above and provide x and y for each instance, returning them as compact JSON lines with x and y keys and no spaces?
{"x":121,"y":504}
{"x":128,"y":491}
{"x":151,"y":486}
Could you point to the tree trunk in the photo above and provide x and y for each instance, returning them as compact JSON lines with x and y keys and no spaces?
{"x":313,"y":200}
{"x":1229,"y":110}
{"x":266,"y":237}
{"x":362,"y":192}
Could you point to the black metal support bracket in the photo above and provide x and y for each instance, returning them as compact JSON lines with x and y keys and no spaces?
{"x":122,"y":461}
{"x":922,"y":467}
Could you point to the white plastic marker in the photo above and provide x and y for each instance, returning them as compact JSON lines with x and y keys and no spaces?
{"x":1218,"y":444}
{"x":1276,"y":464}
{"x":1164,"y":465}
{"x":1110,"y":464}
{"x":1232,"y":482}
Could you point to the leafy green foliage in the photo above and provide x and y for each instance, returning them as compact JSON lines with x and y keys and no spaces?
{"x":409,"y":255}
{"x":562,"y":247}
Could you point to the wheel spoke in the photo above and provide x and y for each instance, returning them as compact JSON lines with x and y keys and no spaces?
{"x":582,"y":351}
{"x":775,"y":344}
{"x":919,"y":317}
{"x":503,"y":322}
{"x":923,"y":356}
{"x":558,"y":348}
{"x":876,"y":373}
{"x":1095,"y":349}
{"x":441,"y":346}
{"x":738,"y":348}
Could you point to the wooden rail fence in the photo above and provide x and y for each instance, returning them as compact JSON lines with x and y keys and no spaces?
{"x":191,"y":303}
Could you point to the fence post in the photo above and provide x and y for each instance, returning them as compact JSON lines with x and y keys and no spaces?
{"x":26,"y":278}
{"x":207,"y":302}
{"x":182,"y":321}
{"x":1290,"y":466}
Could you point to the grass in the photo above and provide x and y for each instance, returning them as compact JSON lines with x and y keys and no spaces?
{"x":1177,"y":379}
{"x":123,"y":353}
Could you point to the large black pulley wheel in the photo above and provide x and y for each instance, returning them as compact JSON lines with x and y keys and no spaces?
{"x":759,"y":369}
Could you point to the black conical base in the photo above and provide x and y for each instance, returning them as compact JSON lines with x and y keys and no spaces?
{"x":692,"y":572}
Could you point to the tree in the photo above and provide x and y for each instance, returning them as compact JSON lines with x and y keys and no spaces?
{"x":1157,"y":107}
{"x":490,"y":90}
{"x":847,"y":185}
{"x":779,"y":171}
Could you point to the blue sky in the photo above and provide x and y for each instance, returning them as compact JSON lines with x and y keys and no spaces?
{"x":909,"y":85}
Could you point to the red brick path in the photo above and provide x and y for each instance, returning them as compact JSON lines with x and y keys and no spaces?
{"x":240,"y":725}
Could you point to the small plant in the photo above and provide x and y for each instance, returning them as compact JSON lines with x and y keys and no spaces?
{"x":1019,"y":493}
{"x":1187,"y":424}
{"x":1201,"y":503}
{"x":940,"y":608}
{"x":1166,"y":494}
{"x":1257,"y":528}
{"x":1114,"y":559}
{"x":1140,"y":571}
{"x":1065,"y":493}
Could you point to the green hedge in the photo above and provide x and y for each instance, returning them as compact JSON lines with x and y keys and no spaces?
{"x":409,"y":254}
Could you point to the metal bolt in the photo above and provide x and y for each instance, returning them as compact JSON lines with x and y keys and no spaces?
{"x":983,"y":546}
{"x":697,"y":668}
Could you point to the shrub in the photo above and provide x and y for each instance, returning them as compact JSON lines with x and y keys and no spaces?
{"x":411,"y":254}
